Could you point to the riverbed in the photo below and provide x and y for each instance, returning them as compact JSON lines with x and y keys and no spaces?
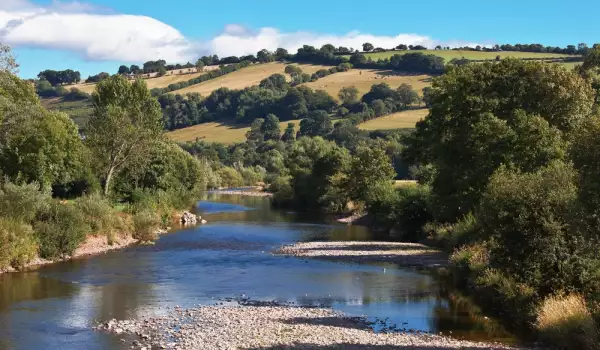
{"x":57,"y":306}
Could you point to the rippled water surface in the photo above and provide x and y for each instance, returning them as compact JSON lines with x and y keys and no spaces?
{"x":54,"y":307}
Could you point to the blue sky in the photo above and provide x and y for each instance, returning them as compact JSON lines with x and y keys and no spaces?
{"x":181,"y":30}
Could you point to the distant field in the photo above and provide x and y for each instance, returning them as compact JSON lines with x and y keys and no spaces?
{"x":79,"y":111}
{"x":244,"y":78}
{"x":172,"y":76}
{"x":399,"y":120}
{"x":217,"y":132}
{"x":363,"y":79}
{"x":471,"y":55}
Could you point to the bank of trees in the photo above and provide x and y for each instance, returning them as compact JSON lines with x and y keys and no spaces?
{"x":63,"y":77}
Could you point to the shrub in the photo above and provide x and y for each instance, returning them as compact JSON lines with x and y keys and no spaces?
{"x":451,"y":236}
{"x":98,"y":213}
{"x":145,"y":225}
{"x":252,"y":176}
{"x":471,"y":258}
{"x":566,"y":322}
{"x":22,"y":203}
{"x":60,"y":230}
{"x":230,"y":177}
{"x":17,"y":244}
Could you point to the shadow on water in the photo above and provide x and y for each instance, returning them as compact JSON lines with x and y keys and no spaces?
{"x":55,"y":306}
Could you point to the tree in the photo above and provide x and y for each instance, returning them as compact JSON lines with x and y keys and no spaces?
{"x":484,"y":115}
{"x":8,"y":63}
{"x":293,"y":70}
{"x":427,"y":96}
{"x":124,"y":70}
{"x":368,"y":47}
{"x":369,"y":168}
{"x":407,"y":95}
{"x":135,"y":69}
{"x":265,"y":56}
{"x":289,"y":135}
{"x":256,"y":131}
{"x":317,"y":123}
{"x":402,"y":47}
{"x":274,"y":82}
{"x":162,"y":71}
{"x":281,"y":53}
{"x":294,"y":105}
{"x":270,"y":128}
{"x":327,"y":48}
{"x":199,"y":65}
{"x":348,"y":95}
{"x":125,"y":123}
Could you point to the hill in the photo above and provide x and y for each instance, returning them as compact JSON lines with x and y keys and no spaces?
{"x":363,"y":79}
{"x":471,"y":55}
{"x":244,"y":78}
{"x":79,"y":111}
{"x":217,"y":132}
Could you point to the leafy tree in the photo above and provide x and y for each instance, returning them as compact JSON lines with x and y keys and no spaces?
{"x":348,"y":95}
{"x":270,"y":128}
{"x":369,"y":168}
{"x":485,"y":115}
{"x":274,"y":82}
{"x":162,"y":71}
{"x":294,"y":105}
{"x":368,"y":47}
{"x":135,"y":69}
{"x":358,"y":59}
{"x":327,"y":48}
{"x":281,"y":53}
{"x":15,"y":92}
{"x":344,"y":67}
{"x":427,"y":96}
{"x":256,"y":131}
{"x":402,"y":47}
{"x":8,"y":63}
{"x":317,"y":123}
{"x":265,"y":56}
{"x":199,"y":65}
{"x":125,"y":123}
{"x":407,"y":95}
{"x":124,"y":70}
{"x":293,"y":70}
{"x":289,"y":135}
{"x":379,"y":91}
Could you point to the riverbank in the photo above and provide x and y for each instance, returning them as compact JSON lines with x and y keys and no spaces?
{"x":405,"y":254}
{"x":270,"y":326}
{"x":247,"y":191}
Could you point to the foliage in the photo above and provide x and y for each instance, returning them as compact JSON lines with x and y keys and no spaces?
{"x":23,"y":203}
{"x":230,"y":177}
{"x":17,"y":244}
{"x":317,"y":123}
{"x":60,"y":77}
{"x":348,"y":95}
{"x":146,"y":225}
{"x":566,"y":322}
{"x":60,"y":230}
{"x":98,"y":214}
{"x":125,"y":123}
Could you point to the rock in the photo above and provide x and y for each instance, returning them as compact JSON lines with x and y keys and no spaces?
{"x":203,"y":221}
{"x":188,"y":218}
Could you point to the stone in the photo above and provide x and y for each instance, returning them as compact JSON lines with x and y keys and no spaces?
{"x":188,"y":218}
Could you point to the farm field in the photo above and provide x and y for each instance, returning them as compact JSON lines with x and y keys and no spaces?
{"x":471,"y":55}
{"x":79,"y":111}
{"x":217,"y":132}
{"x":172,"y":76}
{"x":400,"y":120}
{"x":245,"y":77}
{"x":363,"y":79}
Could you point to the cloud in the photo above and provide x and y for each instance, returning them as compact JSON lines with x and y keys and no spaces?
{"x":98,"y":35}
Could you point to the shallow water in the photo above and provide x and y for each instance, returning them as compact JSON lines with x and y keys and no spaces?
{"x":55,"y":306}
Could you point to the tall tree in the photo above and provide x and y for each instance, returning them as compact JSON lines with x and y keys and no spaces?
{"x":407,"y":95}
{"x":255,"y":133}
{"x":8,"y":63}
{"x":123,"y":69}
{"x":125,"y":123}
{"x":368,"y":47}
{"x":270,"y":128}
{"x":348,"y":95}
{"x":289,"y":134}
{"x":317,"y":123}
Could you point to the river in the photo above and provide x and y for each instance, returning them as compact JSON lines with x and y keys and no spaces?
{"x":55,"y":306}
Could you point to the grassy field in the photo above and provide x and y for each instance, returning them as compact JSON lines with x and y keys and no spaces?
{"x":217,"y":132}
{"x":172,"y":76}
{"x":79,"y":111}
{"x":471,"y":55}
{"x":400,"y":120}
{"x":245,"y":77}
{"x":363,"y":79}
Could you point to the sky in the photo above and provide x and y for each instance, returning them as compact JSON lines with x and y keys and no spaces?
{"x":99,"y":35}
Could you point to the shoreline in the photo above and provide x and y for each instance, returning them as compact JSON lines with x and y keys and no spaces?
{"x":405,"y":254}
{"x":271,"y":325}
{"x":251,"y":192}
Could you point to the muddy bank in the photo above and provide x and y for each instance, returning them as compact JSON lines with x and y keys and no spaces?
{"x":405,"y":254}
{"x":270,"y":326}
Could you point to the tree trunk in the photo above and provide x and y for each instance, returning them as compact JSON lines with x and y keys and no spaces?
{"x":108,"y":179}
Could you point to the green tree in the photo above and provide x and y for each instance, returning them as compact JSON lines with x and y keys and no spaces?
{"x":125,"y":123}
{"x":289,"y":135}
{"x":200,"y":65}
{"x":484,"y":115}
{"x":402,"y":47}
{"x":293,"y":70}
{"x":348,"y":95}
{"x":368,"y":47}
{"x":255,"y":133}
{"x":270,"y":128}
{"x":317,"y":123}
{"x":369,"y":168}
{"x":124,"y":70}
{"x":427,"y":96}
{"x":8,"y":63}
{"x":162,"y":71}
{"x":264,"y":56}
{"x":407,"y":95}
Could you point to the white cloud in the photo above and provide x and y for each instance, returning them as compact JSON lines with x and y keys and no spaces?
{"x":98,"y":35}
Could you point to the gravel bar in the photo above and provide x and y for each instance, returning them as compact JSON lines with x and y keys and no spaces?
{"x":406,"y":254}
{"x":270,"y":327}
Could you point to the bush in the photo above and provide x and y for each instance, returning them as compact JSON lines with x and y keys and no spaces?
{"x":22,"y":203}
{"x":146,"y":225}
{"x":471,"y":258}
{"x":566,"y":322}
{"x":17,"y":244}
{"x":252,"y":176}
{"x":60,"y":230}
{"x":98,"y":213}
{"x":230,"y":177}
{"x":452,"y":236}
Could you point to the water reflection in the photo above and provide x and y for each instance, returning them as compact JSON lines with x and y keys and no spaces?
{"x":56,"y":305}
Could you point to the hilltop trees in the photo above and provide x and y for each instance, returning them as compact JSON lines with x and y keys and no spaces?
{"x":348,"y":95}
{"x":368,"y":47}
{"x":60,"y":77}
{"x":123,"y":70}
{"x":406,"y":95}
{"x":125,"y":123}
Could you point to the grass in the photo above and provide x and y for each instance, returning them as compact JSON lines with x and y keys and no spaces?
{"x":217,"y":132}
{"x":404,"y":183}
{"x":363,"y":79}
{"x":471,"y":55}
{"x":244,"y":78}
{"x":400,"y":120}
{"x":79,"y":111}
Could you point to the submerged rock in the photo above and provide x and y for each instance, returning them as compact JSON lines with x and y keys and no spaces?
{"x":188,"y":218}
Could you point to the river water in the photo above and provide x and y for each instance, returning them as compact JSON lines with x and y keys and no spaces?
{"x":54,"y":307}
